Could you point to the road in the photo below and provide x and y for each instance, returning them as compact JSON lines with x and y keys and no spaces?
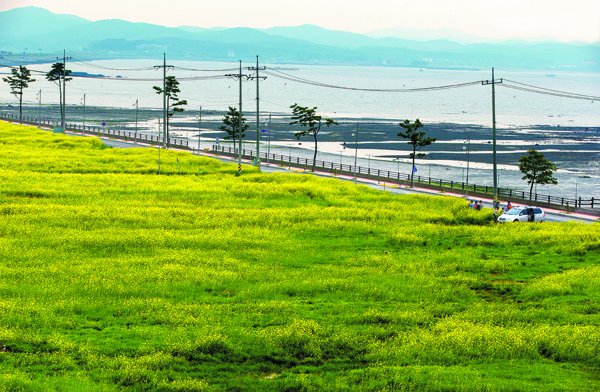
{"x":552,"y":215}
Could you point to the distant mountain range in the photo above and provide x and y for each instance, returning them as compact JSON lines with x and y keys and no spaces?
{"x":32,"y":31}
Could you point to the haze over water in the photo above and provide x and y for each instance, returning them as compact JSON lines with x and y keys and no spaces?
{"x":469,"y":105}
{"x":516,"y":111}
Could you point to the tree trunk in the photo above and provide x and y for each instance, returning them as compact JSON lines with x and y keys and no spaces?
{"x":533,"y":181}
{"x":412,"y":169}
{"x":531,"y":189}
{"x":61,"y":100}
{"x":315,"y":154}
{"x":21,"y":107}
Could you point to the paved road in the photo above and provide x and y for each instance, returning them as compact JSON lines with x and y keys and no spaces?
{"x":551,"y":214}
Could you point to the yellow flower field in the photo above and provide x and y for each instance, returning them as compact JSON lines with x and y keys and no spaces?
{"x":115,"y":278}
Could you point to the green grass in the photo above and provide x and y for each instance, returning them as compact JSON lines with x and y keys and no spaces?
{"x":115,"y":278}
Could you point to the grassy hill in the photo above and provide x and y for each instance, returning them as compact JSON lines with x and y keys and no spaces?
{"x":115,"y":278}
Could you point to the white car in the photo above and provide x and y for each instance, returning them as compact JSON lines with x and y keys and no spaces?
{"x":522,"y":214}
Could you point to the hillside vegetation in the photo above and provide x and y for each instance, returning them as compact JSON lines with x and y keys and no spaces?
{"x":115,"y":278}
{"x":120,"y":39}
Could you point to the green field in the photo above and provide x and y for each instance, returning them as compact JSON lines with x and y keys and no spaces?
{"x":115,"y":278}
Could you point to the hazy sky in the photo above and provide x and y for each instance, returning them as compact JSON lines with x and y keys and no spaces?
{"x":508,"y":19}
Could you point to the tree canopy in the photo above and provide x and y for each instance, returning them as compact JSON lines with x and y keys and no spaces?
{"x":174,"y":103}
{"x":56,"y":74}
{"x":417,"y":139}
{"x":234,"y":125}
{"x":537,"y":169}
{"x":18,"y":81}
{"x":308,"y":119}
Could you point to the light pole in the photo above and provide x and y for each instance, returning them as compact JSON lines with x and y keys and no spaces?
{"x":341,"y":159}
{"x":199,"y":127}
{"x":137,"y":107}
{"x":84,"y":112}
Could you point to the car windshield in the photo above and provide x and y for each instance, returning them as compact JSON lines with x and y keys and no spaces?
{"x":513,"y":211}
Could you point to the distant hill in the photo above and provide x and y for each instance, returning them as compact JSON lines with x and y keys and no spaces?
{"x":36,"y":31}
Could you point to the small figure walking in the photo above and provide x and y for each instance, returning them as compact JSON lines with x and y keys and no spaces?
{"x":531,"y":215}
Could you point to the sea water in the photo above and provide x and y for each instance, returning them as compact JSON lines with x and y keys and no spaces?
{"x":523,"y":115}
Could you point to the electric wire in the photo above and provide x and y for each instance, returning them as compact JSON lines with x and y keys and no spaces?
{"x":115,"y":78}
{"x":149,"y":68}
{"x":277,"y":73}
{"x":550,"y":90}
{"x":282,"y":75}
{"x":542,"y":92}
{"x":206,"y":70}
{"x":97,"y":66}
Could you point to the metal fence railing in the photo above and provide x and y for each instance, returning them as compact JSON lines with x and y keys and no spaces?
{"x":404,"y":178}
{"x":333,"y":167}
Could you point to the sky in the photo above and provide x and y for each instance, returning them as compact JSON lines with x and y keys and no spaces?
{"x":573,"y":20}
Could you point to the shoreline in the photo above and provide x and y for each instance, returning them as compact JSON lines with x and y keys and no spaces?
{"x":575,"y":149}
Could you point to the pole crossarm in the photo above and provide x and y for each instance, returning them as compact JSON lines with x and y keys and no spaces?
{"x":488,"y":82}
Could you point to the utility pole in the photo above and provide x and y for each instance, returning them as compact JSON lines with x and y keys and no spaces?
{"x":258,"y":78}
{"x":164,"y":66}
{"x":64,"y":86}
{"x":136,"y":118}
{"x":84,"y":112}
{"x":239,"y":76}
{"x":199,"y":127}
{"x":493,"y":82}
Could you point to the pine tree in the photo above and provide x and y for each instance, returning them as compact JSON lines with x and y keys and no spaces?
{"x":18,"y":81}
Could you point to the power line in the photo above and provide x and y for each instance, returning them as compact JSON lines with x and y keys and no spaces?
{"x":206,"y":70}
{"x":189,"y":79}
{"x":91,"y":65}
{"x":551,"y":90}
{"x":543,"y":92}
{"x":121,"y":78}
{"x":277,"y":73}
{"x":286,"y":76}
